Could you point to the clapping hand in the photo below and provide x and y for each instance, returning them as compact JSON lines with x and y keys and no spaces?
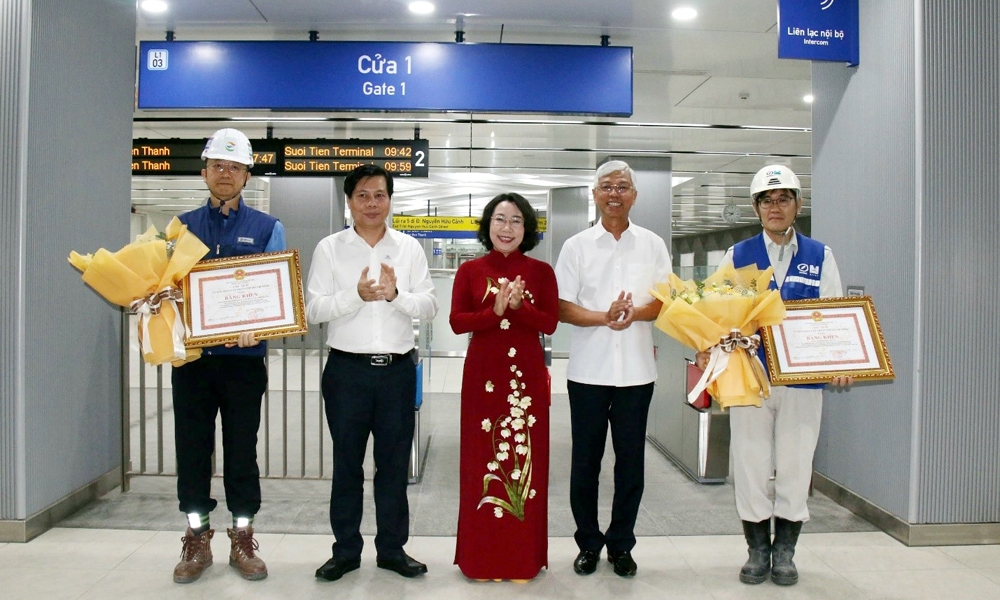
{"x":502,"y":300}
{"x":387,"y":279}
{"x":621,"y":312}
{"x":516,"y":293}
{"x":509,"y":295}
{"x":384,"y":289}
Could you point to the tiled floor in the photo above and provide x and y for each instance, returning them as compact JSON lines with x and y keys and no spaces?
{"x":124,"y":546}
{"x":122,"y":564}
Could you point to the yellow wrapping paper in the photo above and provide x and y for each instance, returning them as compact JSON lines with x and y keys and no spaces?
{"x":721,"y":316}
{"x":145,"y":277}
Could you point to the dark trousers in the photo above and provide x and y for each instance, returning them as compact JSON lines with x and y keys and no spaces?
{"x":592,"y":409}
{"x":362,"y":400}
{"x":230,"y":386}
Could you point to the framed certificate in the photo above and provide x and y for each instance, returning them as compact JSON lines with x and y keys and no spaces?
{"x":825,"y":338}
{"x":262,"y":293}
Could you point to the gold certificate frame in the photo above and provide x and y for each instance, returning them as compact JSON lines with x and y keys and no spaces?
{"x":825,"y":338}
{"x":262,"y":293}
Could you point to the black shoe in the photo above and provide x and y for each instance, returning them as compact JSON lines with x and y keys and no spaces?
{"x":786,"y":535}
{"x":403,"y":564}
{"x":334,"y":569}
{"x":758,"y":564}
{"x":623,"y":563}
{"x":586,"y":562}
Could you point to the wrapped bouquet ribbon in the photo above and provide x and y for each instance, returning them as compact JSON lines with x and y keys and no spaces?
{"x":145,"y":277}
{"x":149,"y":307}
{"x":721,"y":316}
{"x":718,"y":362}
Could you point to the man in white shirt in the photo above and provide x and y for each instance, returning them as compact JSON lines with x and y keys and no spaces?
{"x":369,"y":282}
{"x":779,"y":438}
{"x":604,"y":276}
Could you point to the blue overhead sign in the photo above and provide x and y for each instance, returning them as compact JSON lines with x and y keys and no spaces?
{"x":386,"y":76}
{"x":818,"y":30}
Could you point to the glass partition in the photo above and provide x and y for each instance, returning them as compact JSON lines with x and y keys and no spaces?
{"x":443,"y":341}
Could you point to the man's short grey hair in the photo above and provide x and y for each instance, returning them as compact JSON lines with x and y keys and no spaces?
{"x":613,"y":166}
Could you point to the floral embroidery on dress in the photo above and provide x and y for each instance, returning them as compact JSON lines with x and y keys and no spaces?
{"x":493,"y":287}
{"x":511,"y":466}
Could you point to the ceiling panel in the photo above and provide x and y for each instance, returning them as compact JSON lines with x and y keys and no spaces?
{"x":204,"y":14}
{"x":750,"y":94}
{"x":687,"y":84}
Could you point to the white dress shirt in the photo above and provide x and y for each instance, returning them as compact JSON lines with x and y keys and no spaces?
{"x":369,"y":327}
{"x":829,"y":275}
{"x":593,"y":268}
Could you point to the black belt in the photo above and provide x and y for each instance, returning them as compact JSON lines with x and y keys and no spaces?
{"x":375,"y":360}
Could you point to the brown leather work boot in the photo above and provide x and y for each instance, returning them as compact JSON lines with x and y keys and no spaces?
{"x":196,"y":556}
{"x":242,"y":556}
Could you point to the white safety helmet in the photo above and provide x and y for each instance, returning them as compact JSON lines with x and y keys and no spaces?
{"x":774,"y":177}
{"x":229,"y":144}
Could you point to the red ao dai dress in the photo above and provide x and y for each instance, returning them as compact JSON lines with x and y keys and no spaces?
{"x":504,"y":462}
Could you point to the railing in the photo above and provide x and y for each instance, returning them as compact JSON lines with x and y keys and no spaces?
{"x":293,"y":434}
{"x":291,"y":442}
{"x":292,"y":438}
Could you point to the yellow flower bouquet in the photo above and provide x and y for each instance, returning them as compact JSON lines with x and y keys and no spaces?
{"x":721,"y":316}
{"x":145,"y":277}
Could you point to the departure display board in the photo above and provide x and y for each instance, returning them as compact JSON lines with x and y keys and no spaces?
{"x":339,"y":157}
{"x":288,"y":158}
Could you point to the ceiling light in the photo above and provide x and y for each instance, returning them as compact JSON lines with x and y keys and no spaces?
{"x":808,"y":98}
{"x":154,"y":6}
{"x":684,"y":13}
{"x":421,"y":7}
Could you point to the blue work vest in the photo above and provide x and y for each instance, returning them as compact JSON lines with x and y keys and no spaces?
{"x":244,"y":231}
{"x":802,"y":280}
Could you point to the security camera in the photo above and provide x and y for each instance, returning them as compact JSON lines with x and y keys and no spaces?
{"x":744,"y":95}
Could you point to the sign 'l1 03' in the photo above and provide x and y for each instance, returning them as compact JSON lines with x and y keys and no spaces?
{"x":386,"y":76}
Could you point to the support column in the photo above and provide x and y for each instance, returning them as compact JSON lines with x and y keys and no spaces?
{"x":654,"y":203}
{"x":906,"y":145}
{"x":567,"y":216}
{"x":66,"y":102}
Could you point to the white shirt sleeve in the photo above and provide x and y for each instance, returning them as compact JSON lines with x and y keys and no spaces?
{"x":420,"y":301}
{"x":829,"y":279}
{"x":664,"y":267}
{"x":727,"y":258}
{"x":567,"y":272}
{"x":324,"y":300}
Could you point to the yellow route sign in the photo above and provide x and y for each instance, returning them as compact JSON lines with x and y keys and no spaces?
{"x":409,"y":223}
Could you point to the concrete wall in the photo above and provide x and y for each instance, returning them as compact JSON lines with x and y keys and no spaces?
{"x":905,"y":177}
{"x":64,"y":130}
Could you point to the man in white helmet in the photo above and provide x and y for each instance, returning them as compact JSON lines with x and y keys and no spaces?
{"x":779,"y":438}
{"x":227,"y":380}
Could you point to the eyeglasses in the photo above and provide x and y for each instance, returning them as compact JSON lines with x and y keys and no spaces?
{"x":500,"y":221}
{"x":781,"y":201}
{"x":610,"y":189}
{"x":232,"y":168}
